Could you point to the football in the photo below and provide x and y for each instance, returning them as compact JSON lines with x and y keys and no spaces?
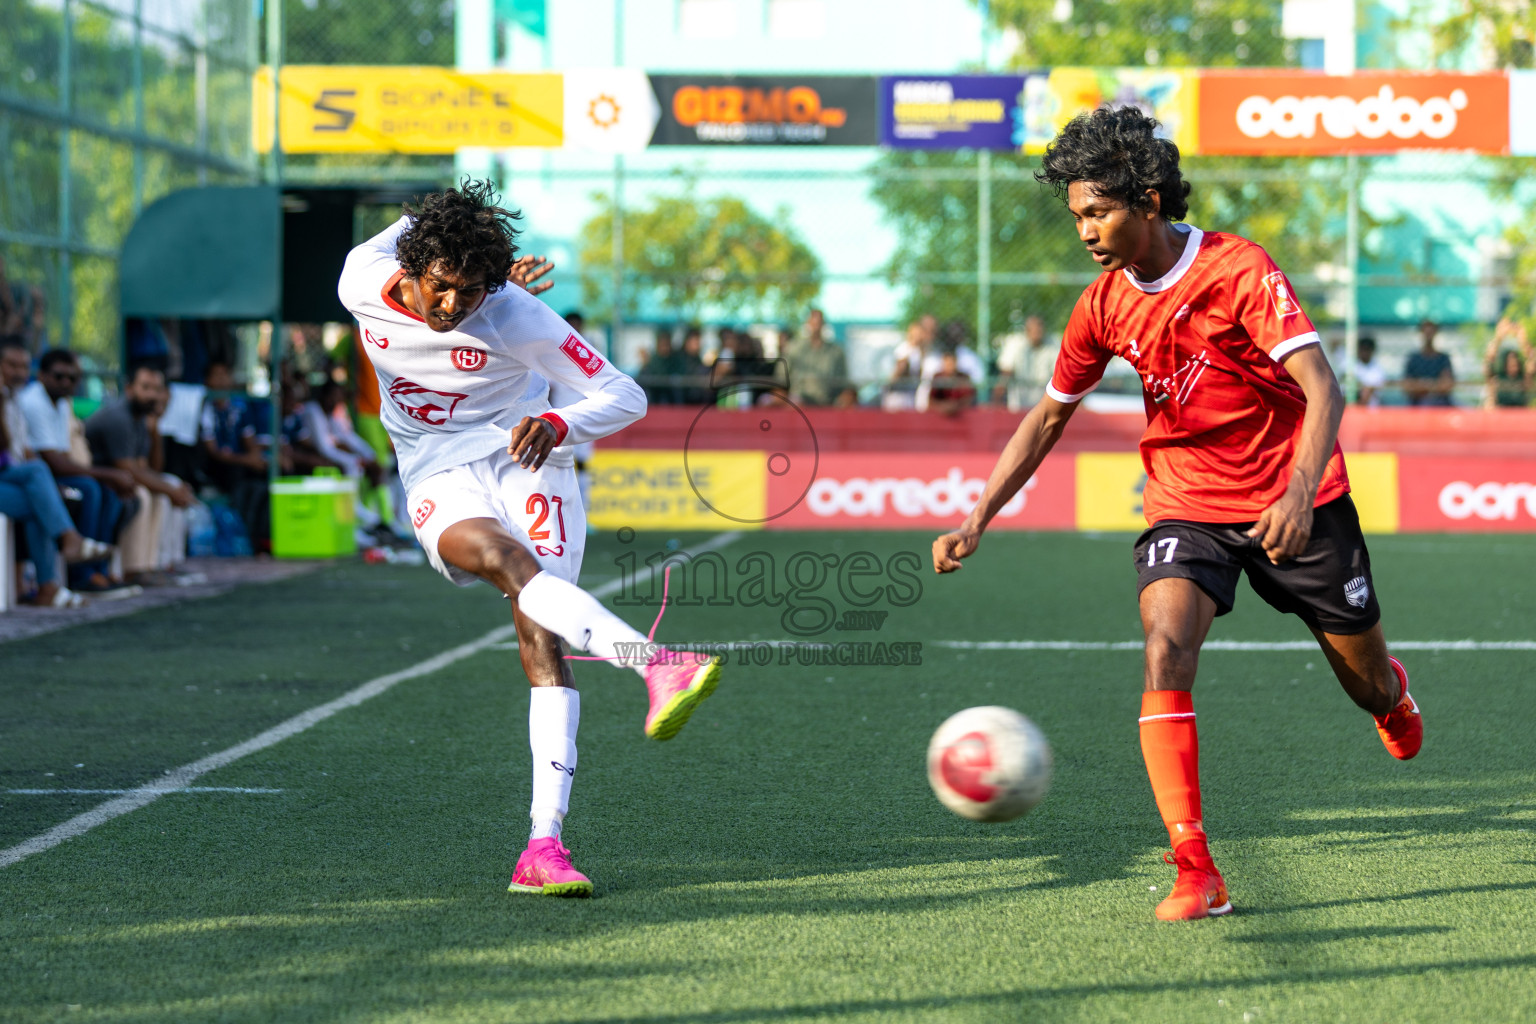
{"x":989,"y":764}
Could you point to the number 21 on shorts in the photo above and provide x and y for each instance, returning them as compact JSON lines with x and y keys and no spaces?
{"x":538,"y":505}
{"x":1168,"y":544}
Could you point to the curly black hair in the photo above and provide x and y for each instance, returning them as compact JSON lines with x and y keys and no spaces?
{"x":465,"y":230}
{"x":1117,"y":150}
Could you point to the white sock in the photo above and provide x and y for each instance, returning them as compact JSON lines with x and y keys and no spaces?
{"x":553,"y":714}
{"x":578,"y":618}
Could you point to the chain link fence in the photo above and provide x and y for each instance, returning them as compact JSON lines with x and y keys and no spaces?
{"x":105,"y":106}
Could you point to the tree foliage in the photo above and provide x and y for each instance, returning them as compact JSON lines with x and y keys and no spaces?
{"x":693,"y":257}
{"x":1125,"y":33}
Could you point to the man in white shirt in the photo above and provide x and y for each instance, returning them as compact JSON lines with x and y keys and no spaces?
{"x":51,"y":426}
{"x":465,"y":367}
{"x":1024,"y":366}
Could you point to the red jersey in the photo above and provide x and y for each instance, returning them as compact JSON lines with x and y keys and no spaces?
{"x":1223,"y":416}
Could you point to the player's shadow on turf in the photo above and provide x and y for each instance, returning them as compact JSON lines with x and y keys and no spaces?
{"x":1419,"y":894}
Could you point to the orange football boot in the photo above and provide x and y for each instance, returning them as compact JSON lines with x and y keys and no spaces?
{"x":1200,"y":890}
{"x":1401,"y":729}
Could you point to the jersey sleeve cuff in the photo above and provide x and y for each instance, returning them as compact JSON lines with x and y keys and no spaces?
{"x":1290,"y":345}
{"x":561,"y":428}
{"x":1064,"y":398}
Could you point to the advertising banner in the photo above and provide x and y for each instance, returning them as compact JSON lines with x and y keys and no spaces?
{"x":1522,"y":113}
{"x":663,"y":490}
{"x":609,"y":110}
{"x":342,"y":109}
{"x":767,"y":110}
{"x":921,"y":490}
{"x":952,"y":112}
{"x":1171,"y":96}
{"x":1467,"y":494}
{"x":1297,"y":113}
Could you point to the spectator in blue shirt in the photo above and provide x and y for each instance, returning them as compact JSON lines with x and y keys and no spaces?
{"x":1427,"y":376}
{"x":235,"y":461}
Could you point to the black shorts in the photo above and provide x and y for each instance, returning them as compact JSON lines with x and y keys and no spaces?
{"x":1328,"y":586}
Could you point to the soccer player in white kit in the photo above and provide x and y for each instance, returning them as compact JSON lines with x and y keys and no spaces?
{"x":466,"y":366}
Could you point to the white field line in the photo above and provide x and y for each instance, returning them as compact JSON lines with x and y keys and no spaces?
{"x":1113,"y":645}
{"x":177,"y":779}
{"x":1229,"y":645}
{"x":113,"y":792}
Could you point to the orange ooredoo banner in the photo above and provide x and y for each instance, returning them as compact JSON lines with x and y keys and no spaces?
{"x":1309,"y":114}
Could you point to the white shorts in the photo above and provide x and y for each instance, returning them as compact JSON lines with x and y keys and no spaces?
{"x":542,"y":509}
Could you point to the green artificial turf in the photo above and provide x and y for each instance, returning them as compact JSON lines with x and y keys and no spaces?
{"x":782,"y":859}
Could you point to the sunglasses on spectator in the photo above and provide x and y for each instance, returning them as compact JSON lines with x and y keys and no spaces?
{"x":72,"y":376}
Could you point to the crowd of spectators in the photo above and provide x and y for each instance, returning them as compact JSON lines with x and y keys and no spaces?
{"x":935,"y":368}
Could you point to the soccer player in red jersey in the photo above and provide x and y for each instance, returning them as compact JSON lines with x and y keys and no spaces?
{"x":1244,"y":470}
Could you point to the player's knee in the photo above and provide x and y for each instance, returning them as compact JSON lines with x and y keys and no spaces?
{"x":507,"y":565}
{"x":1170,"y":662}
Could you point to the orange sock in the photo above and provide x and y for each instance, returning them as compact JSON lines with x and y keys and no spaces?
{"x":1171,"y":749}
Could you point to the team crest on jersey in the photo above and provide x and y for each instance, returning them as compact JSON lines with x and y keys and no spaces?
{"x":470,"y":359}
{"x":1280,"y":294}
{"x":427,"y":405}
{"x":580,"y":353}
{"x":1357,"y":591}
{"x":423,"y":512}
{"x":380,"y":340}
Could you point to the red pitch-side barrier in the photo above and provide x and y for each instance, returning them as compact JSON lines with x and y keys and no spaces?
{"x":1427,"y":470}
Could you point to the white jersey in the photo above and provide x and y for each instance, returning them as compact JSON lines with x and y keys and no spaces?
{"x":449,"y":399}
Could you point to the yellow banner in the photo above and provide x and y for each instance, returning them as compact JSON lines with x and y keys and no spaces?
{"x":1109,"y":486}
{"x":1373,"y":486}
{"x":341,"y":109}
{"x":658,"y":490}
{"x":1172,"y":96}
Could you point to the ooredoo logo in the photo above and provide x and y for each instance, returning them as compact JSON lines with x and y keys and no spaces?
{"x":470,"y":359}
{"x":1491,"y":501}
{"x":953,"y":494}
{"x":1344,"y":117}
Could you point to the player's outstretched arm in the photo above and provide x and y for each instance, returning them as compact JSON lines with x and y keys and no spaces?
{"x":1036,"y":435}
{"x":1285,"y":527}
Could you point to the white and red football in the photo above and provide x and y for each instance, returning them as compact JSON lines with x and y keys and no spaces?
{"x":989,"y":764}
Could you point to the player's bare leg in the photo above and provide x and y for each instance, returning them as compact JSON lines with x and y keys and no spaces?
{"x":1379,"y":684}
{"x":1176,"y":615}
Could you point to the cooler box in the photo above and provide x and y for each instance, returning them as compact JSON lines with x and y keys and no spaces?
{"x":314,"y":516}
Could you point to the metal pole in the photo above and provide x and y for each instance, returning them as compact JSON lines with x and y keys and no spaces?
{"x":66,"y":143}
{"x":275,"y":62}
{"x":1352,"y":276}
{"x":201,"y":98}
{"x":274,"y":14}
{"x":138,"y":104}
{"x":984,"y":255}
{"x":616,"y":325}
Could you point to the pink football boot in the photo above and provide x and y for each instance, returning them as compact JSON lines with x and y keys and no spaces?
{"x":677,"y":681}
{"x":545,"y":869}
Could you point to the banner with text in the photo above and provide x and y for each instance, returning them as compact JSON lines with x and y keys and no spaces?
{"x":767,"y":110}
{"x":1299,"y":113}
{"x":918,"y":490}
{"x":343,"y":109}
{"x":952,"y":112}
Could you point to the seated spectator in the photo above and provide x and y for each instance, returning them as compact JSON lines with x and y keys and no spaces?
{"x":1427,"y":375}
{"x":661,"y":374}
{"x":1509,"y":365}
{"x":1370,"y":376}
{"x":53,"y":433}
{"x":1024,"y":366}
{"x":234,"y":459}
{"x":818,"y":368}
{"x":952,"y":339}
{"x":125,"y":435}
{"x":327,"y":431}
{"x":695,"y":375}
{"x":950,"y":390}
{"x":29,"y":495}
